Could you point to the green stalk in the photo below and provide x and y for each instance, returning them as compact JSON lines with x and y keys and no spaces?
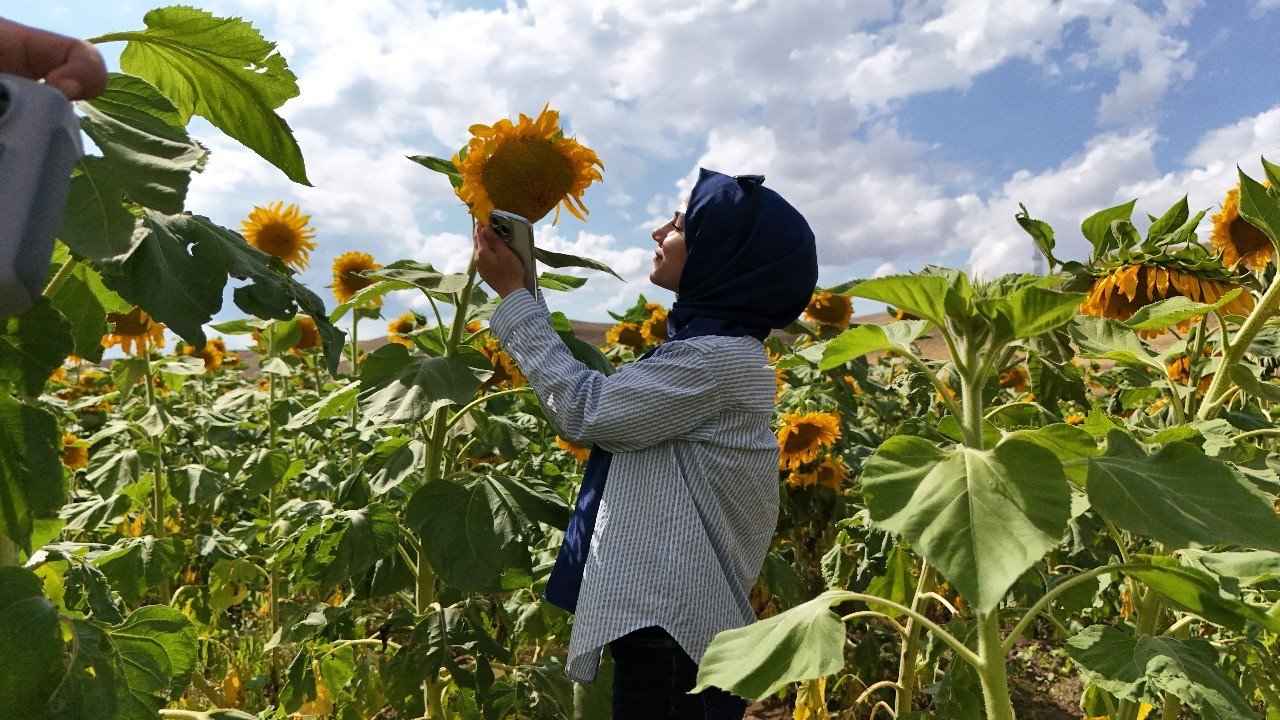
{"x":907,"y":659}
{"x":272,"y":509}
{"x":60,"y":277}
{"x":993,"y":673}
{"x":157,"y":469}
{"x":1147,"y":616}
{"x":355,"y":372}
{"x":1216,"y":395}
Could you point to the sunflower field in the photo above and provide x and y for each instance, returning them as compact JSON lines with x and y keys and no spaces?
{"x":1060,"y":485}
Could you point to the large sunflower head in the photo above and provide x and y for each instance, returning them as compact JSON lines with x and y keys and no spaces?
{"x":802,"y":435}
{"x":527,"y":167}
{"x":346,"y":283}
{"x":398,"y":330}
{"x":75,"y":452}
{"x":1237,"y":239}
{"x":135,"y":332}
{"x":626,"y":333}
{"x":654,"y":329}
{"x":505,"y":370}
{"x":310,"y":335}
{"x":831,"y":472}
{"x":830,"y":309}
{"x":1015,"y":378}
{"x":1121,"y":292}
{"x":213,"y":353}
{"x":281,"y":230}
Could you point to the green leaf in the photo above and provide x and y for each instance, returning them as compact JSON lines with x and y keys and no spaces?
{"x":136,"y":565}
{"x":1032,"y":311}
{"x":31,"y":650}
{"x":1106,"y":339}
{"x":157,"y":650}
{"x":1179,"y":496}
{"x":401,"y":464}
{"x":1259,"y":208}
{"x":431,"y":647}
{"x":1244,"y":377}
{"x":84,"y":301}
{"x":1173,"y":219}
{"x":96,"y":512}
{"x":222,"y":70}
{"x":560,"y":281}
{"x":898,"y":584}
{"x":473,"y":533}
{"x":585,"y":352}
{"x":1195,"y":591}
{"x":33,"y":345}
{"x":335,"y":404}
{"x":440,"y":165}
{"x":1097,"y":227}
{"x":920,"y":295}
{"x":856,"y":342}
{"x":1249,"y":567}
{"x":982,"y":517}
{"x":1067,"y":442}
{"x":421,"y":388}
{"x":1174,"y":310}
{"x":94,"y":224}
{"x":1040,"y":231}
{"x":420,"y":275}
{"x":1142,"y":668}
{"x":369,"y":534}
{"x":561,"y":260}
{"x":32,"y":484}
{"x":143,"y":142}
{"x":802,"y":643}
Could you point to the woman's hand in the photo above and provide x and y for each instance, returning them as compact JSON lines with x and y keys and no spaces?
{"x":499,"y":266}
{"x":73,"y":66}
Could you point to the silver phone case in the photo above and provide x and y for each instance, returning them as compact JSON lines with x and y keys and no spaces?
{"x":517,"y":232}
{"x":39,"y":147}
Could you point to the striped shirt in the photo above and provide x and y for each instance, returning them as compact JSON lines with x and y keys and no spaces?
{"x":691,"y":499}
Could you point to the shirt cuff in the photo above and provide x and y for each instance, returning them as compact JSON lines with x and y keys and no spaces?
{"x":514,"y":309}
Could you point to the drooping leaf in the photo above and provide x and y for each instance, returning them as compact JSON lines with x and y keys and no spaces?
{"x":31,"y":650}
{"x":33,"y":345}
{"x":223,"y":70}
{"x":94,"y":224}
{"x":84,"y":301}
{"x":1142,"y":668}
{"x":802,"y":643}
{"x":1249,"y":567}
{"x":423,"y":387}
{"x":585,"y":352}
{"x":920,"y":295}
{"x":1195,"y":591}
{"x":982,"y":517}
{"x":31,"y":478}
{"x":1259,"y":209}
{"x":1174,"y":310}
{"x":562,"y":260}
{"x":143,"y":142}
{"x":1179,"y":496}
{"x":1040,"y":231}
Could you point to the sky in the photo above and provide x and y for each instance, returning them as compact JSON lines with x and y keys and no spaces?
{"x":906,"y":131}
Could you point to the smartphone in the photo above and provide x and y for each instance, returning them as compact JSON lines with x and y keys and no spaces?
{"x":39,"y":147}
{"x":517,"y":233}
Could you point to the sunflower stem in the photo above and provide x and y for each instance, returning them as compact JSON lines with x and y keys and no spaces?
{"x":272,"y":509}
{"x":907,"y":659}
{"x":157,"y":469}
{"x":1216,"y":395}
{"x":60,"y":277}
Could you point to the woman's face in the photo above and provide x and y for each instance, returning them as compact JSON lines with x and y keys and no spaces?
{"x":668,"y":259}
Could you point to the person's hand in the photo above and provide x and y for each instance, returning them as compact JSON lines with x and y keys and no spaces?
{"x":499,"y":266}
{"x":73,"y":66}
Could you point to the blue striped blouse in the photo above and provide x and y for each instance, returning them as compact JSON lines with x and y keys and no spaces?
{"x":691,"y":500}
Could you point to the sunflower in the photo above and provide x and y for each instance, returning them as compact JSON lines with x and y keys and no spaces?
{"x":1075,"y":419}
{"x":527,"y":167}
{"x":626,"y":333}
{"x":798,"y":479}
{"x":505,"y":370}
{"x":310,"y":335}
{"x":579,"y":452}
{"x":654,"y":329}
{"x":399,"y":329}
{"x":346,"y":283}
{"x":1237,"y":239}
{"x":831,"y":472}
{"x":75,"y":452}
{"x":135,"y":332}
{"x":1125,"y":290}
{"x":830,"y":309}
{"x":213,"y":353}
{"x":803,"y":434}
{"x":1015,"y":378}
{"x":281,"y":230}
{"x":474,"y":326}
{"x":1180,"y":372}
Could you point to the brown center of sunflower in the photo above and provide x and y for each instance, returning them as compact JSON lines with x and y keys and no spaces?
{"x":527,"y":176}
{"x":130,"y":323}
{"x":403,"y":327}
{"x":803,"y":436}
{"x":277,"y":238}
{"x":1248,"y":239}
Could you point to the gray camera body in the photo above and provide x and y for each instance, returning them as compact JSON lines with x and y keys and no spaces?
{"x":517,"y":233}
{"x":39,"y":147}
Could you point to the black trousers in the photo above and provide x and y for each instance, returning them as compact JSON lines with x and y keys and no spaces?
{"x":652,"y":677}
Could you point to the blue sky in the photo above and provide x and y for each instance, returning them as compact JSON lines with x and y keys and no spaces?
{"x":906,"y":133}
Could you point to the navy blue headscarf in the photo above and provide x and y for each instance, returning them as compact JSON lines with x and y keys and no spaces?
{"x":752,"y":266}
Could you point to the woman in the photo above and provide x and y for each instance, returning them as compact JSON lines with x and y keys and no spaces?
{"x":680,"y":495}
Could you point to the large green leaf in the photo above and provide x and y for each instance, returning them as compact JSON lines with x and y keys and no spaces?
{"x":143,"y":142}
{"x":856,"y":342}
{"x":1180,"y":496}
{"x":340,"y":546}
{"x":94,"y":224}
{"x":420,"y":275}
{"x":982,"y":517}
{"x":1109,"y":340}
{"x":920,"y":295}
{"x":431,"y":647}
{"x":561,"y":260}
{"x":32,"y":484}
{"x":473,"y":533}
{"x":223,"y":70}
{"x":31,"y":652}
{"x":137,"y":565}
{"x":1195,"y":591}
{"x":1174,"y":310}
{"x":1032,"y":311}
{"x":1067,"y":442}
{"x":1142,"y":668}
{"x":424,"y":386}
{"x":1259,"y":208}
{"x":753,"y":662}
{"x":1249,"y":568}
{"x":33,"y":345}
{"x":585,"y":352}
